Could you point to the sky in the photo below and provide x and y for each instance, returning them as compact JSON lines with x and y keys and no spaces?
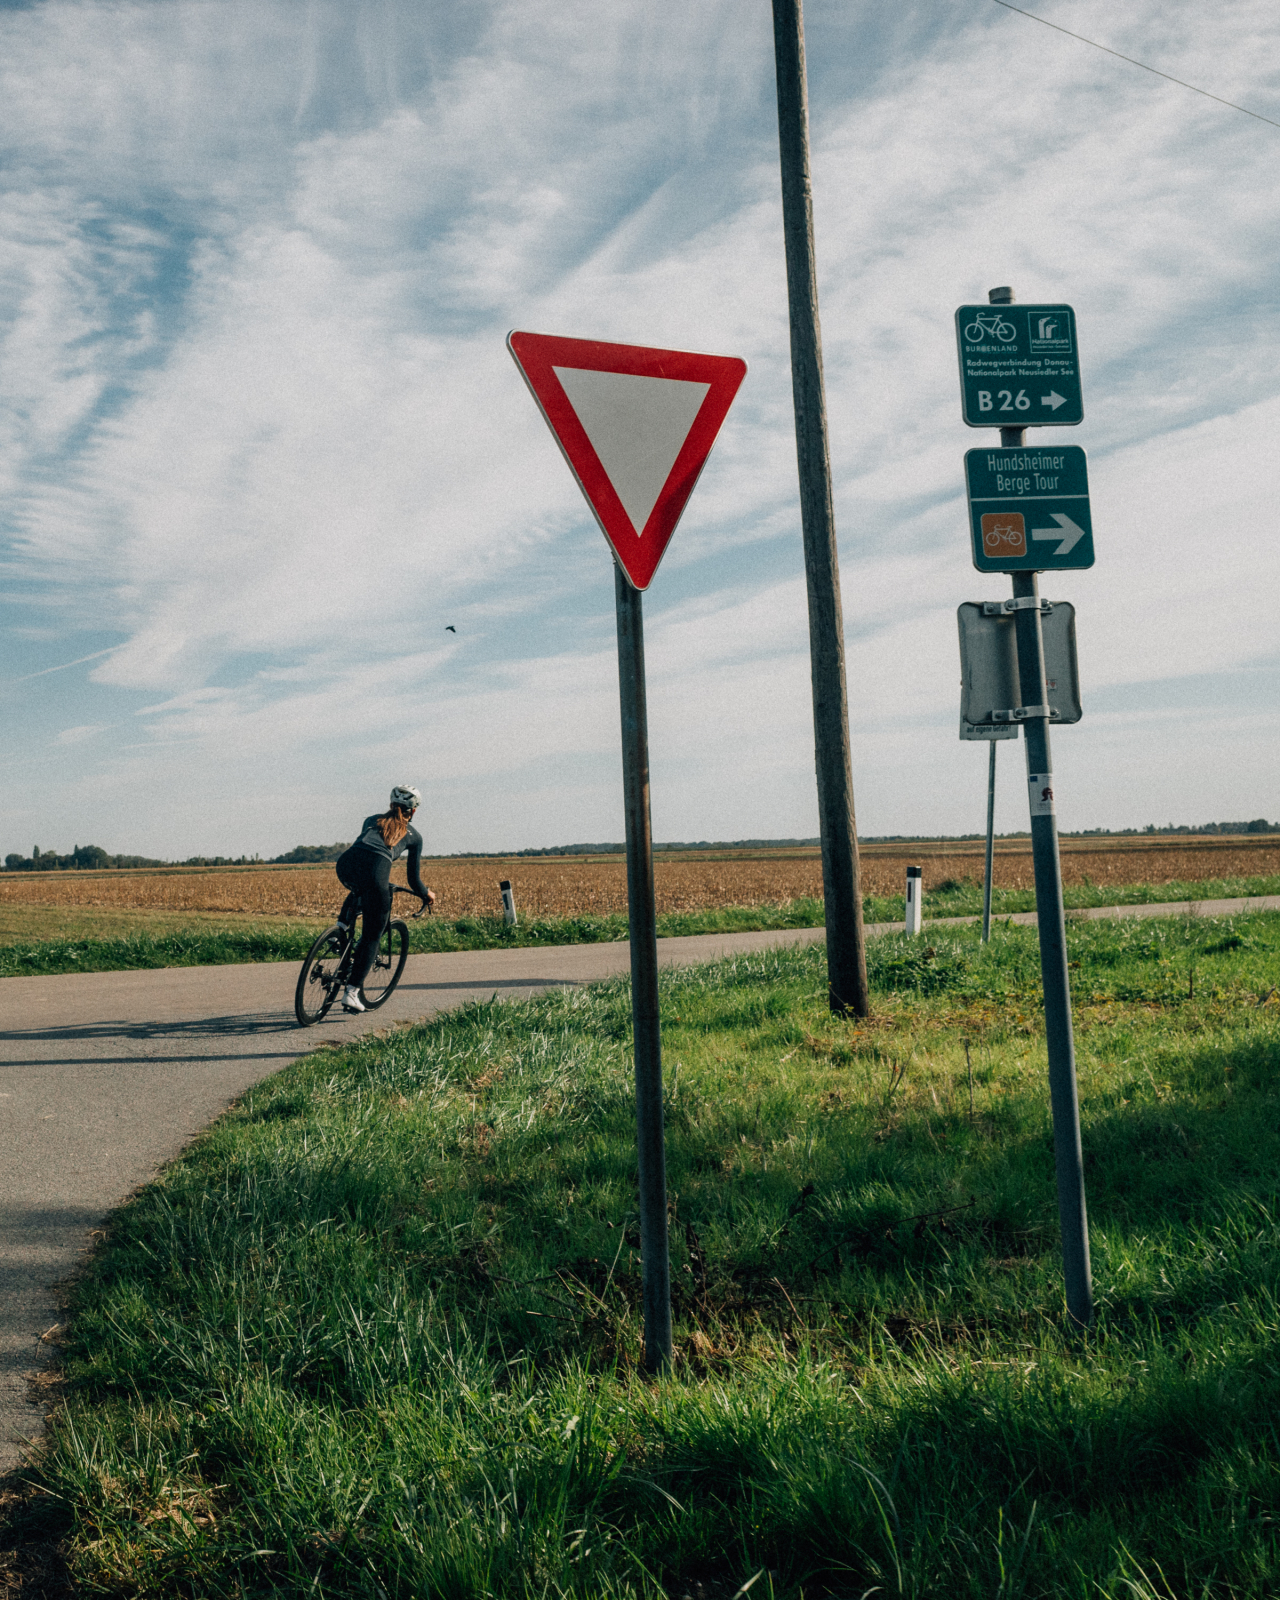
{"x":261,"y":443}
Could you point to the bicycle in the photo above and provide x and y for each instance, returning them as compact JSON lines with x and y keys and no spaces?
{"x":990,"y":322}
{"x":328,"y":965}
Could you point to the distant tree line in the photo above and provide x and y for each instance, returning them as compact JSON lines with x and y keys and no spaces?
{"x":616,"y":848}
{"x":1258,"y":825}
{"x":93,"y":858}
{"x":310,"y":852}
{"x":83,"y":858}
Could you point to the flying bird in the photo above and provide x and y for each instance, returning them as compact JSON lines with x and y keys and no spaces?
{"x":449,"y":628}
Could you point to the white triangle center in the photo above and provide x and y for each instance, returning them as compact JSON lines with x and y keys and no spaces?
{"x":637,"y":426}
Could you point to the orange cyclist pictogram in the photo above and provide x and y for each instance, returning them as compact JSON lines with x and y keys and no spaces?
{"x":1004,"y":533}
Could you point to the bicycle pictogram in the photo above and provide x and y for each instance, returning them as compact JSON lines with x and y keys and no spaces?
{"x":1004,"y":533}
{"x":990,"y":322}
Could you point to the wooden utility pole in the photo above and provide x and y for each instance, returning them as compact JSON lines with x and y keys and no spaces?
{"x":841,"y":878}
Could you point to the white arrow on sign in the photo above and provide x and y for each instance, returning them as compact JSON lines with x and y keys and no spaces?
{"x":1069,"y":532}
{"x":1053,"y":399}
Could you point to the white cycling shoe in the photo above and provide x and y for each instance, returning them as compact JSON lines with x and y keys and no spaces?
{"x":351,"y":1000}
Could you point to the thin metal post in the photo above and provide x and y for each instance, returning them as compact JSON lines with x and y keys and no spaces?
{"x":1051,"y":918}
{"x":646,"y":1022}
{"x":841,"y":878}
{"x":991,"y":839}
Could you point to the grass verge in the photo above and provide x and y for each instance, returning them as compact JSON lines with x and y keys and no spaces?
{"x":963,"y":897}
{"x":205,"y":940}
{"x":377,"y":1333}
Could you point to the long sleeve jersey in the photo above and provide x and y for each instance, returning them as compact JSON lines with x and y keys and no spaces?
{"x":411,"y":846}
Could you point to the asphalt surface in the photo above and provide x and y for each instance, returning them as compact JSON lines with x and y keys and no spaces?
{"x":105,"y":1076}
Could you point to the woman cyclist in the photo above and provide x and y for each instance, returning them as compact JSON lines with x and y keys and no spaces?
{"x":365,"y":869}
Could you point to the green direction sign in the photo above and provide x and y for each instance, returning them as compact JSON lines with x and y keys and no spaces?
{"x":1019,"y":366}
{"x":1029,"y":509}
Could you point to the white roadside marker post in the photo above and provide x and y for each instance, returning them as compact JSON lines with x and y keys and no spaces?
{"x":915,"y":895}
{"x":508,"y":902}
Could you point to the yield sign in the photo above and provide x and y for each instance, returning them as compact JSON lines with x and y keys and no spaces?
{"x":636,"y":426}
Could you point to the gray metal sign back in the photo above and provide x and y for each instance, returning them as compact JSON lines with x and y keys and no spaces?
{"x":989,"y":695}
{"x":1019,"y":366}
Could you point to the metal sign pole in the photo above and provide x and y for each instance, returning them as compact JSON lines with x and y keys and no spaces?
{"x":1051,"y":918}
{"x":991,"y":837}
{"x":646,"y":1022}
{"x":616,"y":447}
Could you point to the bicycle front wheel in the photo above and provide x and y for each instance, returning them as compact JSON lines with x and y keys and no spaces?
{"x":384,"y":974}
{"x":320,"y":980}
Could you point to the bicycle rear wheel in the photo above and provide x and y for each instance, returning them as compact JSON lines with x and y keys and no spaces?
{"x":320,"y":981}
{"x":384,"y":974}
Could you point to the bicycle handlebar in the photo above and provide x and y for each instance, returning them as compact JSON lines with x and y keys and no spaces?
{"x":397,"y":888}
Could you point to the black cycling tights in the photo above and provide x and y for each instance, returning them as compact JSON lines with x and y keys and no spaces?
{"x":368,"y":876}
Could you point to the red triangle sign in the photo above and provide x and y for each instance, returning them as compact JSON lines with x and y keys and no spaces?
{"x":636,"y":426}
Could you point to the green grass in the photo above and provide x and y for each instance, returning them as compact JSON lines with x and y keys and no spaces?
{"x":30,"y":951}
{"x":960,"y":898}
{"x":377,"y":1333}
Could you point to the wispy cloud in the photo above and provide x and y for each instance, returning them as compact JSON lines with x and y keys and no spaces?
{"x":258,"y":422}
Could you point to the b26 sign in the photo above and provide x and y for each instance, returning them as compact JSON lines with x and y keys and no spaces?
{"x":1019,"y":366}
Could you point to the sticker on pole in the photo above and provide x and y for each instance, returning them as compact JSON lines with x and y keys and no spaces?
{"x":636,"y":426}
{"x":1040,"y":793}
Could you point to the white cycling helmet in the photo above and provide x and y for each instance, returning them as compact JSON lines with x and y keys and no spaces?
{"x":404,"y":794}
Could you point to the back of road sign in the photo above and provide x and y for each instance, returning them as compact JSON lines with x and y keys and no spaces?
{"x":636,"y":426}
{"x":1019,"y":366}
{"x":989,"y":695}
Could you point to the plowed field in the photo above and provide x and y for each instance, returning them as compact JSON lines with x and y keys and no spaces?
{"x":689,"y":881}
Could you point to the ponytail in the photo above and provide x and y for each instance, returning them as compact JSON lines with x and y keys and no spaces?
{"x":393,"y":825}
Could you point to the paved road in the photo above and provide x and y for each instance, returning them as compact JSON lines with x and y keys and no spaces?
{"x":105,"y":1076}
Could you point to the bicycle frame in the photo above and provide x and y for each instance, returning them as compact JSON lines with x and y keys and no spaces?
{"x":327,"y":967}
{"x":355,"y":906}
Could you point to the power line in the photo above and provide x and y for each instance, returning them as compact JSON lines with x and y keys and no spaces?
{"x":1166,"y":76}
